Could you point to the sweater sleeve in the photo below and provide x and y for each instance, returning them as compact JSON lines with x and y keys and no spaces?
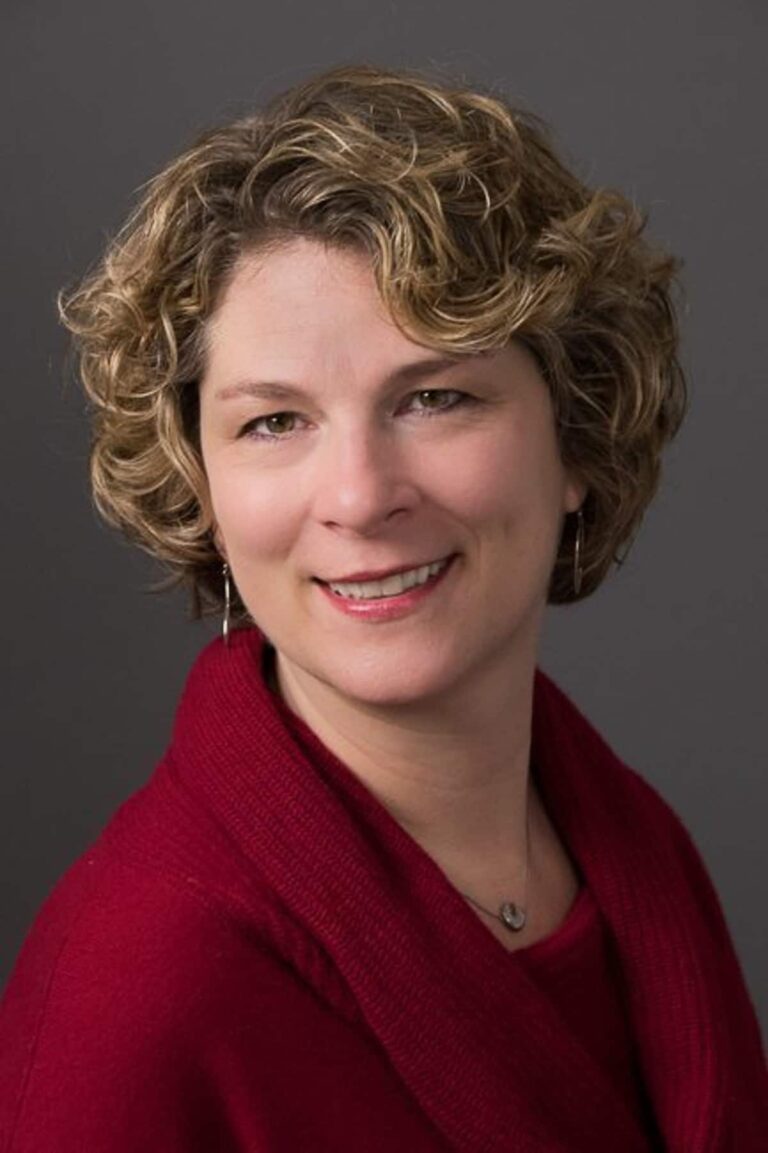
{"x":113,"y":1013}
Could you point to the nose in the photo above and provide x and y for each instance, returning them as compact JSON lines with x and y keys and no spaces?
{"x":362,"y":481}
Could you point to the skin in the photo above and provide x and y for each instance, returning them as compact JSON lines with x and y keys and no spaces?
{"x":431,"y":711}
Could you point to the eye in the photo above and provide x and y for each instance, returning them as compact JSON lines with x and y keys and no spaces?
{"x":274,"y":426}
{"x":427,"y":402}
{"x":435,"y":400}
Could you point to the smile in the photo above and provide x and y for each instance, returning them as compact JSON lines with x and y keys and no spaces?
{"x":389,"y":586}
{"x":389,"y":598}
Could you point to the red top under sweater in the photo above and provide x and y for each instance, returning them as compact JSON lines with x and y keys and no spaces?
{"x":255,"y":956}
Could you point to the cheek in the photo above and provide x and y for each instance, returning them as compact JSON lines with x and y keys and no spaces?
{"x":505,"y":482}
{"x":254,"y":518}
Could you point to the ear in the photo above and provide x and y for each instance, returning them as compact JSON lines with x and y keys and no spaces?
{"x":574,"y":492}
{"x":218,"y":540}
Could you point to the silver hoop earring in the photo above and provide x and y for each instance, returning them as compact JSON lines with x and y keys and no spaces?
{"x":227,"y":603}
{"x":578,"y":548}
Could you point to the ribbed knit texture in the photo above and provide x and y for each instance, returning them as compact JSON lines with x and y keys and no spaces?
{"x":255,"y":955}
{"x":576,"y":969}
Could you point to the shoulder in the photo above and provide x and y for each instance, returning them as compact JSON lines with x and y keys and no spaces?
{"x":144,"y":900}
{"x":632,"y":804}
{"x":130,"y":982}
{"x":560,"y":724}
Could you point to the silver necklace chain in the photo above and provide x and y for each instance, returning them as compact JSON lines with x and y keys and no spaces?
{"x":511,"y":915}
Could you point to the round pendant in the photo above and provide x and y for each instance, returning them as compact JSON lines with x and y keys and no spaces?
{"x":511,"y":916}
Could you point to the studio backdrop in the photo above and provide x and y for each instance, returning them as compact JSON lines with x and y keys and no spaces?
{"x":668,"y":658}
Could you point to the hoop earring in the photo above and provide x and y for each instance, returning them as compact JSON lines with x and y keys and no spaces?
{"x":578,"y":548}
{"x":227,"y":603}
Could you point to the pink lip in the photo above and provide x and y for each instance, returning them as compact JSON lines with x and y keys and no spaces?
{"x":381,"y":574}
{"x":386,"y":608}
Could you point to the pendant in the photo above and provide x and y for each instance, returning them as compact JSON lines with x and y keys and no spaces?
{"x":511,"y":916}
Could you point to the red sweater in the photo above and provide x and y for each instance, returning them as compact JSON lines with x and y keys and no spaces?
{"x":255,"y":956}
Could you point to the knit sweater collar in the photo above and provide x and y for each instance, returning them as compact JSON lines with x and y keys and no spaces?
{"x":430,"y":979}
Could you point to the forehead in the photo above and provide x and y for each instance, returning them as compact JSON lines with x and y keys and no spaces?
{"x":309,"y":313}
{"x":300,"y":297}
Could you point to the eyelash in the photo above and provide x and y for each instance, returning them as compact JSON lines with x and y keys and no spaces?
{"x":462,"y":398}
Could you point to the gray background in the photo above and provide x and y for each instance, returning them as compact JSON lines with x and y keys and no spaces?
{"x":664,"y":99}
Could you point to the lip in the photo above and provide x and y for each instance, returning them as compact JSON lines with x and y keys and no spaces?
{"x":380,"y":574}
{"x":382,"y":609}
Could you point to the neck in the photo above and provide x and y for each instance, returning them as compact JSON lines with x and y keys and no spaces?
{"x":455,"y":774}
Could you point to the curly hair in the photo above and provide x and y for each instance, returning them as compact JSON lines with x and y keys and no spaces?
{"x":477,"y":234}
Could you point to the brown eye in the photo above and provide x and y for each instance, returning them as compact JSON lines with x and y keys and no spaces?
{"x":433,"y":400}
{"x":280,"y":422}
{"x":275,"y":426}
{"x":430,"y":398}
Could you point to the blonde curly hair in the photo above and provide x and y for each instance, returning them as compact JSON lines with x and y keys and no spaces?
{"x":477,"y":234}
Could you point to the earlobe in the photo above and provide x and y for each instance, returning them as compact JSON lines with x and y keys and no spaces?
{"x":218,"y":541}
{"x":575,"y":494}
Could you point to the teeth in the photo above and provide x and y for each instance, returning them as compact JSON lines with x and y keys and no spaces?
{"x":391,"y":586}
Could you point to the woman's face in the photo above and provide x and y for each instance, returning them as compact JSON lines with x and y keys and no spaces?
{"x":335,"y":446}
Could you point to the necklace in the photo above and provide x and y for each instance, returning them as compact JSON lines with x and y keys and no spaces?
{"x":511,"y":915}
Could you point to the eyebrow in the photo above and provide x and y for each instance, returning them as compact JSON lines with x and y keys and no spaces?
{"x":278,"y":390}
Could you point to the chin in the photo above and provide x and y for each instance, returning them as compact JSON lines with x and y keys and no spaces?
{"x":388,"y":684}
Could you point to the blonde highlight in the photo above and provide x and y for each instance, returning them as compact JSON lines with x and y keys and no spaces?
{"x":477,"y":235}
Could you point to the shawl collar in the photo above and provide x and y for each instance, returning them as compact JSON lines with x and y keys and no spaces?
{"x":430,"y":979}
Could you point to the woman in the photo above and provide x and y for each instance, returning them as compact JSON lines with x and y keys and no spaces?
{"x":379,"y":378}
